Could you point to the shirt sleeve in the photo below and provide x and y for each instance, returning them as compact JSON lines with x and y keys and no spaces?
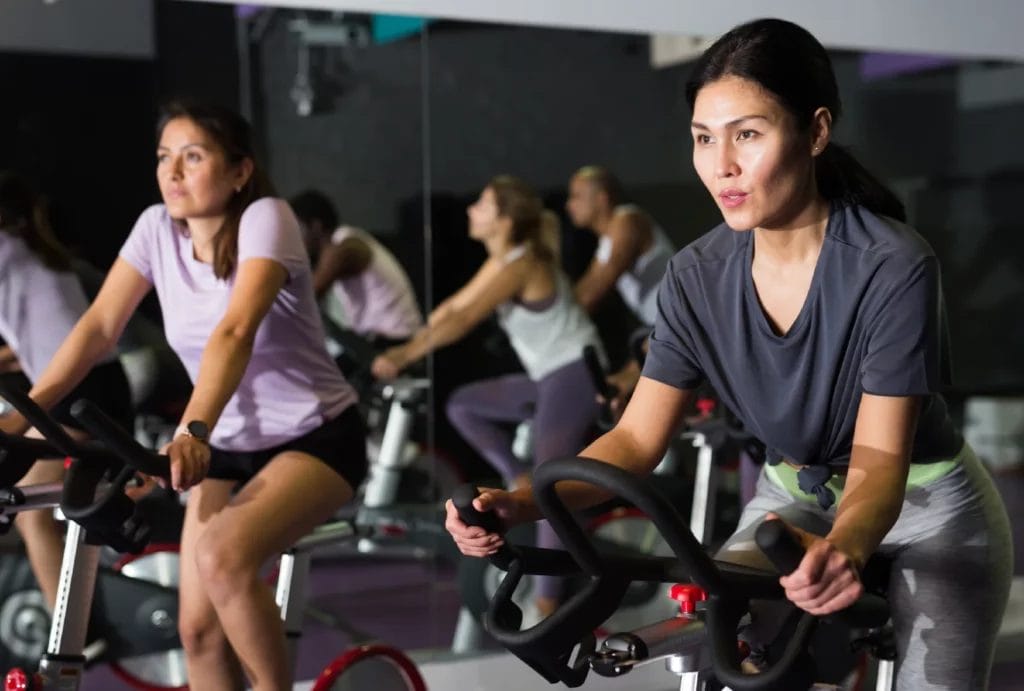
{"x":671,"y":356}
{"x":139,"y":249}
{"x":268,"y":229}
{"x":905,"y":349}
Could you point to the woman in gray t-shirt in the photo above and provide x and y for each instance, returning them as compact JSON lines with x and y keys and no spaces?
{"x":817,"y":316}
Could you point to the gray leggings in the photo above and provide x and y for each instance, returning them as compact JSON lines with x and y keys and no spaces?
{"x":952,"y":566}
{"x":562,"y":408}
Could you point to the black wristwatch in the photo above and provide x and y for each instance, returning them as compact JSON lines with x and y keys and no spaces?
{"x":197,"y":429}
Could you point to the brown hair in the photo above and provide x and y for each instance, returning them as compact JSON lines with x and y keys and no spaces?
{"x":23,"y":214}
{"x":517,"y":201}
{"x":233,"y":135}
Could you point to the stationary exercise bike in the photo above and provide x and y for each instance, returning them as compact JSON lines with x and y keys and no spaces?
{"x":701,"y":644}
{"x":93,"y":497}
{"x":133,"y":623}
{"x":388,"y":668}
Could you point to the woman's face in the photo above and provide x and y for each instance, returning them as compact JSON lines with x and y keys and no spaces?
{"x":196,"y":180}
{"x":750,"y":155}
{"x":484,"y":219}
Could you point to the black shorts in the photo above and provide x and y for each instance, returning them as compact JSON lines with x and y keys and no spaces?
{"x":107,"y":386}
{"x":340,"y":443}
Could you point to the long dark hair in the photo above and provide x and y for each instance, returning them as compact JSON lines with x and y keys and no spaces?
{"x":233,"y":135}
{"x":787,"y":61}
{"x":23,"y":214}
{"x":520,"y":203}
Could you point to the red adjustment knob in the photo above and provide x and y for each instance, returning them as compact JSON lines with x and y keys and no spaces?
{"x":19,"y":680}
{"x":706,"y":405}
{"x":687,"y":595}
{"x":67,"y":462}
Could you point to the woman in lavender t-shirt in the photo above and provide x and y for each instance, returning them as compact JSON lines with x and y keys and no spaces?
{"x":270,"y":443}
{"x":41,"y":299}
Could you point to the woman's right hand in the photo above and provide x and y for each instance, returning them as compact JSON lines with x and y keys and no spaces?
{"x":472,"y":540}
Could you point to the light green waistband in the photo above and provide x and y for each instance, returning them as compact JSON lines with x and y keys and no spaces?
{"x":783,"y":475}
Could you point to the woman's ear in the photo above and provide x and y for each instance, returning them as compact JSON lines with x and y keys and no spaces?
{"x":821,"y":130}
{"x":243,"y":172}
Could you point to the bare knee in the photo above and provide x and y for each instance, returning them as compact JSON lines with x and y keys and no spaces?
{"x":201,"y":635}
{"x":225,"y":567}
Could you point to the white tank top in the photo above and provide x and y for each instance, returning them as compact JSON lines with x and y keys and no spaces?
{"x":638,"y":285}
{"x":551,"y":337}
{"x":380,"y":300}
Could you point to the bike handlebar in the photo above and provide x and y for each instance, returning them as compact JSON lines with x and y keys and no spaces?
{"x":547,"y":647}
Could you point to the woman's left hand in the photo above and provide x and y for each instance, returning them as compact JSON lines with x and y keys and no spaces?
{"x":190,"y":461}
{"x":828,"y":578}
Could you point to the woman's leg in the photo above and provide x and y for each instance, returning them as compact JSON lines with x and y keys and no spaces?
{"x":210,"y":661}
{"x":482,"y":412}
{"x":950,"y":582}
{"x":285,"y":500}
{"x":563,"y":425}
{"x":42,"y":534}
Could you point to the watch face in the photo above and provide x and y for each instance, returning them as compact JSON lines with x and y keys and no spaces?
{"x":198,"y":429}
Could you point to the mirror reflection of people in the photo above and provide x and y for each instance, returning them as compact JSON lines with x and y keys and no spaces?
{"x":817,"y":316}
{"x":632,"y":254}
{"x":376,"y":297}
{"x":522,"y":283}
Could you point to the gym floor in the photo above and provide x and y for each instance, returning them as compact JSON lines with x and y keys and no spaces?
{"x":413,"y":605}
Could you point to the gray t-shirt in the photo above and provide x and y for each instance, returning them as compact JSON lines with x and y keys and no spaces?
{"x":873,"y":321}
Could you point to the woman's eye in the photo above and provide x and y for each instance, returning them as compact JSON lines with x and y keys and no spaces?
{"x":702,"y":139}
{"x":746,"y":134}
{"x":193,"y":157}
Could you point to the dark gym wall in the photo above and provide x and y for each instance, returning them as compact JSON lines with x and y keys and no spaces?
{"x":82,"y":128}
{"x":540,"y":102}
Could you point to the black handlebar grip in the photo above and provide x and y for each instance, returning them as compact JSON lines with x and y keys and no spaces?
{"x":120,"y":443}
{"x":779,"y":545}
{"x":597,"y":373}
{"x":462,"y":498}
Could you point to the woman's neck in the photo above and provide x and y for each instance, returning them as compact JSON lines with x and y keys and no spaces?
{"x":498,"y":247}
{"x":203,"y":231}
{"x":796,"y":241}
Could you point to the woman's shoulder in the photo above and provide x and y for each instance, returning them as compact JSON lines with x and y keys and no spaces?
{"x":885,"y":237}
{"x":715,"y":246}
{"x":155,"y":214}
{"x":269,"y":209}
{"x":152,"y":221}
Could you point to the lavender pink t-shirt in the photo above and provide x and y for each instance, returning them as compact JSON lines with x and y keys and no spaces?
{"x":38,"y":305}
{"x":291,"y":386}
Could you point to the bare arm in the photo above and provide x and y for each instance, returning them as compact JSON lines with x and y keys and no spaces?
{"x":630,"y":234}
{"x":636,"y":444}
{"x":94,"y":335}
{"x":877,"y":476}
{"x":229,"y":348}
{"x":828,"y":578}
{"x":223,"y":363}
{"x":344,"y":260}
{"x":495,"y":283}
